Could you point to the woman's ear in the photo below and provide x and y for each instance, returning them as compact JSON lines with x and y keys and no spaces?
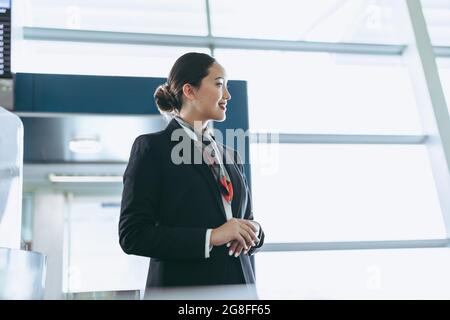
{"x":189,"y":91}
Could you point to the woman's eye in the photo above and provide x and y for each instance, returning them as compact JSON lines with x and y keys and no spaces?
{"x":220,"y":84}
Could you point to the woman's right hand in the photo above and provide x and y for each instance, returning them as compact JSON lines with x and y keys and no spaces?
{"x":240,"y":230}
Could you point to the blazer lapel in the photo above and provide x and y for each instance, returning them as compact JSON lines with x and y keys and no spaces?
{"x":202,"y":167}
{"x":205,"y":171}
{"x":236,"y":180}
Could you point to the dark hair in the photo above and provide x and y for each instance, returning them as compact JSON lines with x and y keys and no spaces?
{"x":190,"y":68}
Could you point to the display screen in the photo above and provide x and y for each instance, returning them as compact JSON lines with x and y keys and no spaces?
{"x":5,"y":39}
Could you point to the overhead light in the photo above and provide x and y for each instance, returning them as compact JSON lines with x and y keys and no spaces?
{"x":85,"y":145}
{"x":84,"y":178}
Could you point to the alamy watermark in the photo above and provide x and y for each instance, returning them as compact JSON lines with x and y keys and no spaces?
{"x":265,"y":157}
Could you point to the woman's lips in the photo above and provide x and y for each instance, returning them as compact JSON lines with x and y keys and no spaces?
{"x":223,"y":107}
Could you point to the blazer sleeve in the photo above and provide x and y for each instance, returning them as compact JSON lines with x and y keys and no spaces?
{"x":139,"y":230}
{"x":249,"y":210}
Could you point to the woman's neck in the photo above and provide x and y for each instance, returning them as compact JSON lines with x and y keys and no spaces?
{"x":198,"y":124}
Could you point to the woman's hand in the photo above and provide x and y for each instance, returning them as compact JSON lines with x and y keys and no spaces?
{"x":236,"y":248}
{"x":240,"y":230}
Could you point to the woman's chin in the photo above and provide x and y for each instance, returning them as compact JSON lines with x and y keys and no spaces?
{"x":220,"y":116}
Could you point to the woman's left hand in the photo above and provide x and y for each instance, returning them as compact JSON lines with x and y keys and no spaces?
{"x":236,"y":248}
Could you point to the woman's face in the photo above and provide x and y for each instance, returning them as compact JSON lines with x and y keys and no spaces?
{"x":211,"y":97}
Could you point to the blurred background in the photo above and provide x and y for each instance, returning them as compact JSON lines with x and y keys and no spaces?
{"x":354,"y":196}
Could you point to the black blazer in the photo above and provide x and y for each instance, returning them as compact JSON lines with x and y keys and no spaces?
{"x":167,"y":208}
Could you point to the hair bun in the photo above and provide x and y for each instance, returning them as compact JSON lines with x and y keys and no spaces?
{"x":165,"y":99}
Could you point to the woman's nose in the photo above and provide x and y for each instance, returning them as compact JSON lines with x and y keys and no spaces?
{"x":227,"y":95}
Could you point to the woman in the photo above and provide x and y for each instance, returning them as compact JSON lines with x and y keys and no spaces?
{"x":191,"y":218}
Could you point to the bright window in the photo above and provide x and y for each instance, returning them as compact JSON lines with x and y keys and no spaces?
{"x":365,"y":21}
{"x":437,"y":16}
{"x":95,"y":58}
{"x":305,"y":92}
{"x":167,"y":17}
{"x":318,"y":192}
{"x":357,"y":274}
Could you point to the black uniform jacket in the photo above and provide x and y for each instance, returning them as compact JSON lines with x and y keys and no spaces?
{"x":167,"y":208}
